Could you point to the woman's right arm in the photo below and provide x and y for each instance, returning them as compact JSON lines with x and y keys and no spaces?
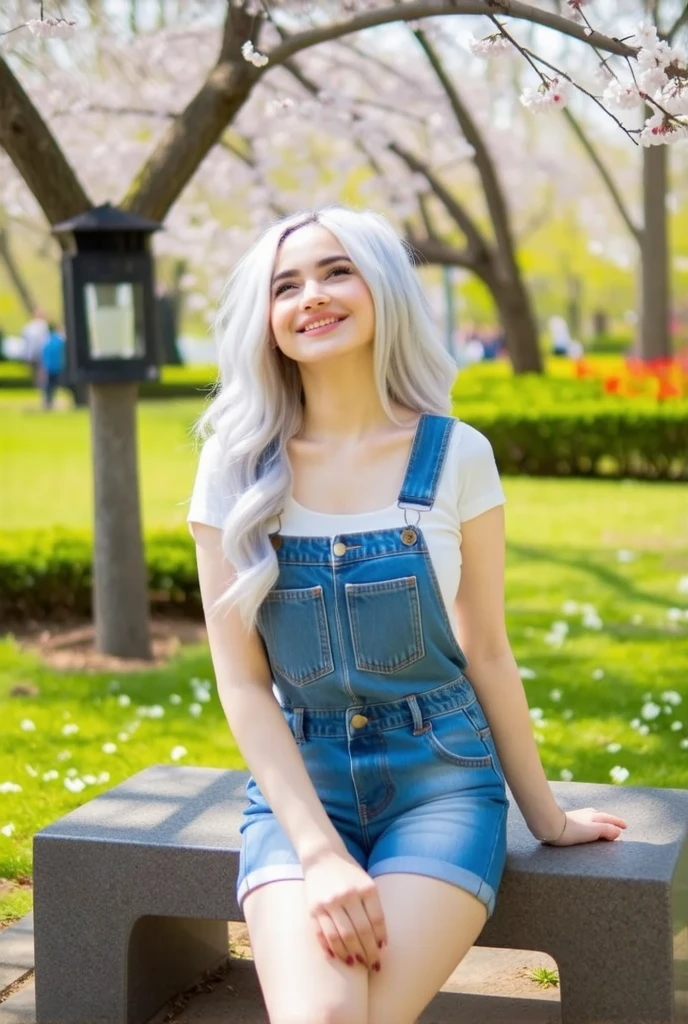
{"x":267,"y":745}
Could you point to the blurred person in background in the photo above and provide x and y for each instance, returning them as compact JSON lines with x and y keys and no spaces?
{"x":52,"y":364}
{"x":35,"y":335}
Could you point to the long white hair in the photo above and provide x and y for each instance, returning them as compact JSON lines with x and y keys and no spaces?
{"x":259,"y":403}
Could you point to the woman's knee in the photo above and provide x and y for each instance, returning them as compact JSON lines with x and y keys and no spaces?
{"x":328,"y":1012}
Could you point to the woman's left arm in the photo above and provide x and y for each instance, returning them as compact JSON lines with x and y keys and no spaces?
{"x":494,"y":674}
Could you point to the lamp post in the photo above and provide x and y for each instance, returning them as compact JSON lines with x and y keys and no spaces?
{"x":112,"y":343}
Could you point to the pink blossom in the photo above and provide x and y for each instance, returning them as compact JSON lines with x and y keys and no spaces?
{"x":43,"y":27}
{"x":619,"y":95}
{"x":674,"y":96}
{"x":652,"y":80}
{"x":575,"y":8}
{"x":491,"y":46}
{"x":551,"y":95}
{"x":646,"y":35}
{"x":659,"y":130}
{"x":259,"y":60}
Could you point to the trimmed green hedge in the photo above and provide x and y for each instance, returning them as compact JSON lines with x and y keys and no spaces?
{"x":176,"y":382}
{"x":48,"y":574}
{"x":637,"y":441}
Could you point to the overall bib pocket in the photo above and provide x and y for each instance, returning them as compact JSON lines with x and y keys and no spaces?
{"x":296,"y":634}
{"x":385,"y":624}
{"x":454,"y":738}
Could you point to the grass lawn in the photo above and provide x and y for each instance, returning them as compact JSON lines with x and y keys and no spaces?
{"x":47,"y":459}
{"x":619,"y":548}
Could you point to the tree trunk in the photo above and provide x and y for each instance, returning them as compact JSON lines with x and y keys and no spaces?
{"x":120,"y":592}
{"x":518,"y":319}
{"x":655,"y":311}
{"x":14,"y":273}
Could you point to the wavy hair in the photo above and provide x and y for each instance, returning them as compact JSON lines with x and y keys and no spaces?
{"x":259,"y":404}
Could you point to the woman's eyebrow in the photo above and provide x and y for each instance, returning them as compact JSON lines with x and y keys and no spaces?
{"x":324,"y":262}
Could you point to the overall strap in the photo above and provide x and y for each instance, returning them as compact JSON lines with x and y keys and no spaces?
{"x":426,"y":460}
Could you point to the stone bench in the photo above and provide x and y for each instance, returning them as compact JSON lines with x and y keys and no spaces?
{"x":133,"y":892}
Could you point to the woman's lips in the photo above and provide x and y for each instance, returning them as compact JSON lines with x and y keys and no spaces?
{"x":325,"y":329}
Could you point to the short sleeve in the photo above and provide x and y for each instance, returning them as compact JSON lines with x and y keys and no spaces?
{"x":479,"y":485}
{"x":209,"y":503}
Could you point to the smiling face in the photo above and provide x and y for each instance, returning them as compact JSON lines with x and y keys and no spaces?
{"x":320,"y":305}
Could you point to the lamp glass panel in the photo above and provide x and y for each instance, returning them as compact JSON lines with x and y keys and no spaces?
{"x":114,"y":314}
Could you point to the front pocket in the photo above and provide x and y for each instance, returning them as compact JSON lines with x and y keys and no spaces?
{"x":385,"y":623}
{"x":296,"y":634}
{"x":453,"y":739}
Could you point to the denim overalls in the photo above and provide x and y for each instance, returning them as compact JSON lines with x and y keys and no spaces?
{"x":369,"y":674}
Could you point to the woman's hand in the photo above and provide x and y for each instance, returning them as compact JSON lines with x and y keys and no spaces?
{"x":587,"y":825}
{"x":344,"y":904}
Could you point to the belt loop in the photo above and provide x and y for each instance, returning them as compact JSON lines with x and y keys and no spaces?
{"x":416,"y":713}
{"x":298,"y":726}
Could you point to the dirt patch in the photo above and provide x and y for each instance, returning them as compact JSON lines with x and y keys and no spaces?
{"x":71,"y":646}
{"x":239,"y":942}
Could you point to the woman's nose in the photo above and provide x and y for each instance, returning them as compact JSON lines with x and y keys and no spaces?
{"x":313,"y":295}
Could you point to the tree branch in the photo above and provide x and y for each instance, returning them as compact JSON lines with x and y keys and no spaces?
{"x":36,"y":154}
{"x":492,"y":188}
{"x":198,"y":127}
{"x":435,"y":251}
{"x":20,"y":283}
{"x":605,"y":174}
{"x":477,"y":243}
{"x":448,"y":8}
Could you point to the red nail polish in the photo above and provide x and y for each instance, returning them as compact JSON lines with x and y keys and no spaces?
{"x":380,"y":944}
{"x":330,"y":953}
{"x":376,"y":965}
{"x":350,"y":961}
{"x":360,"y":959}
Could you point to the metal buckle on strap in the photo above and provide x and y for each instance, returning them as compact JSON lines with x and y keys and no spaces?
{"x":406,"y":505}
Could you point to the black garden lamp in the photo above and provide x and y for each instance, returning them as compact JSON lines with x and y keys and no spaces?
{"x":109,"y":297}
{"x":112,"y":345}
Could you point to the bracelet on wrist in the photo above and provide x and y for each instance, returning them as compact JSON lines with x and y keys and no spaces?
{"x":553,"y":839}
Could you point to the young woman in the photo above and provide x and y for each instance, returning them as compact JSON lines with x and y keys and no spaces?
{"x":376,"y":702}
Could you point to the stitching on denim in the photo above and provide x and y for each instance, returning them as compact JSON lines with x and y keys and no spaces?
{"x":387,"y":667}
{"x":311,"y":594}
{"x":401,"y":583}
{"x":498,"y":830}
{"x":390,"y":788}
{"x":427,"y":495}
{"x":293,"y":593}
{"x":451,"y":636}
{"x":340,"y":634}
{"x":485,"y":734}
{"x":457,"y":759}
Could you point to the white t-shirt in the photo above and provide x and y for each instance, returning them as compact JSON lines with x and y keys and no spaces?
{"x":469,"y":484}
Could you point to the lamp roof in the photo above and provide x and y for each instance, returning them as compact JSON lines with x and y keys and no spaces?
{"x":107,"y":218}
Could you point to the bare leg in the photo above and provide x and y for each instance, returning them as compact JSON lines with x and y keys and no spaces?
{"x":431,"y":926}
{"x":300,"y":984}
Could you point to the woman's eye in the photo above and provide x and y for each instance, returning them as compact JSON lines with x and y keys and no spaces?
{"x":339,"y":270}
{"x":281,"y":288}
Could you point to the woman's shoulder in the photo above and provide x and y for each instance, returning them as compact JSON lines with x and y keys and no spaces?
{"x":468,"y":442}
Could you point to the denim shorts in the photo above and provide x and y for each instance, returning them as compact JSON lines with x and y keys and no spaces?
{"x":370,"y":676}
{"x":413,"y":785}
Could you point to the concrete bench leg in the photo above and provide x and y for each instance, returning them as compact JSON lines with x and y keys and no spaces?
{"x":627,"y":979}
{"x":125,"y":974}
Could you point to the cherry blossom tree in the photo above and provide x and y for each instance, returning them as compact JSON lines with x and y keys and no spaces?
{"x":648,"y":227}
{"x":248,"y":42}
{"x":254,"y":40}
